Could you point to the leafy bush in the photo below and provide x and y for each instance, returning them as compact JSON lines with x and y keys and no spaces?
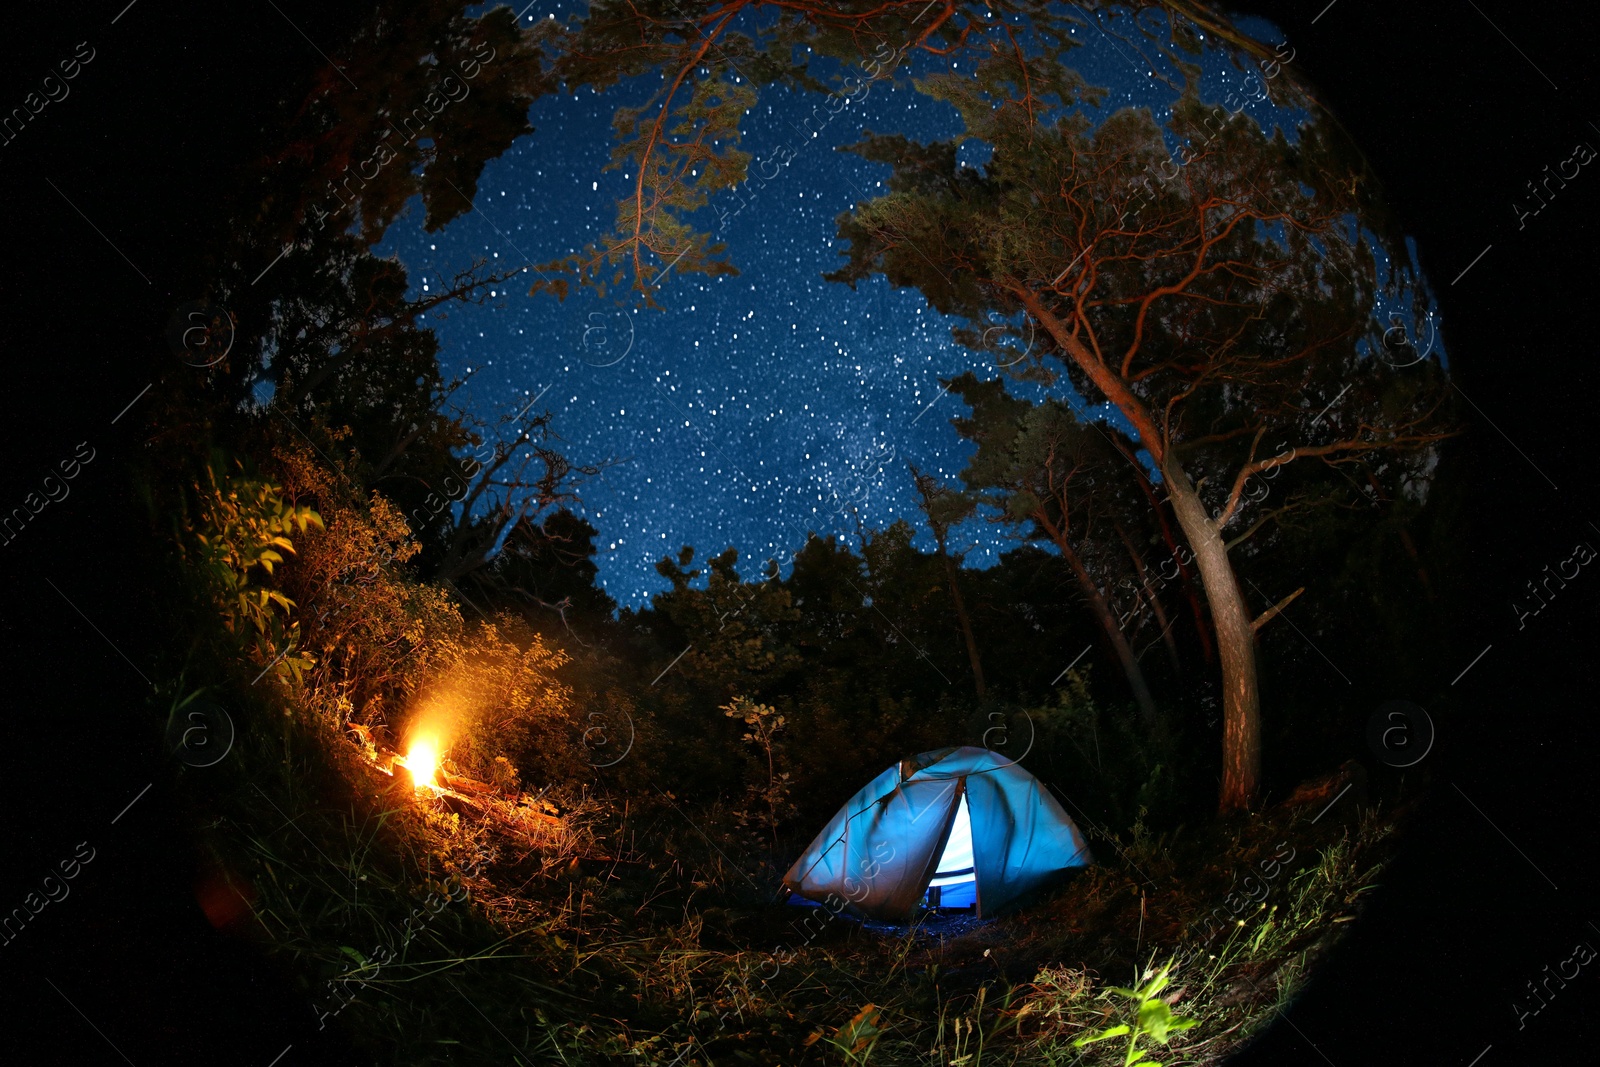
{"x":396,"y":653}
{"x":376,"y":629}
{"x":238,"y":534}
{"x":496,"y":694}
{"x":1121,"y":769}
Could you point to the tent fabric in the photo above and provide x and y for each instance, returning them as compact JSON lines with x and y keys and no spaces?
{"x":881,"y":850}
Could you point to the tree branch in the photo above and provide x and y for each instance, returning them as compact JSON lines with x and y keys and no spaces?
{"x":1266,"y":616}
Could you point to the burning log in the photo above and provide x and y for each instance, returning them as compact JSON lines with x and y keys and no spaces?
{"x":462,"y":805}
{"x":468,"y":785}
{"x":401,"y":788}
{"x":532,"y":820}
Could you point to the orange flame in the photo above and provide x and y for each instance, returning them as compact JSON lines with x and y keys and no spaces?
{"x":422,"y":761}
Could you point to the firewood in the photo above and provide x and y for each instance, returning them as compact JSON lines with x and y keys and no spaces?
{"x":467,"y":785}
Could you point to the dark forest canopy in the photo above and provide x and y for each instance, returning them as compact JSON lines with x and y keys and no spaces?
{"x":1217,"y":301}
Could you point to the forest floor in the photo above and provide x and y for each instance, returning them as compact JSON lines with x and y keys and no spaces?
{"x":436,"y":931}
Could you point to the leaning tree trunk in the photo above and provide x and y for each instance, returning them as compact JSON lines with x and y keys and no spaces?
{"x":1241,"y":699}
{"x":1119,"y":641}
{"x":1172,"y":546}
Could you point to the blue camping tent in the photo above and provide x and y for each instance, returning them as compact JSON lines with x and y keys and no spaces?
{"x":959,"y":825}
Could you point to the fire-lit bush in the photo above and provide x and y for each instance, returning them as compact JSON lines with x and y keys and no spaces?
{"x":497,"y":695}
{"x":396,"y":656}
{"x":376,"y":631}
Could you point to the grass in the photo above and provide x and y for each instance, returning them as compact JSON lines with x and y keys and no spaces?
{"x":629,"y":934}
{"x":633,"y":931}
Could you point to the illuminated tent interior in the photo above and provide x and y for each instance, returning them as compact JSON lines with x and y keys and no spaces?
{"x":953,"y":828}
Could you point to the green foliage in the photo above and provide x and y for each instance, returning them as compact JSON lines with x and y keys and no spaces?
{"x":680,"y":147}
{"x":396,"y":652}
{"x":856,"y":1039}
{"x":943,"y":506}
{"x":377,"y":631}
{"x":566,"y":955}
{"x":1208,"y":311}
{"x":497,"y":691}
{"x":1278,"y":303}
{"x":1119,"y":767}
{"x":1152,"y":1018}
{"x":240,"y":531}
{"x":629,"y":930}
{"x":737,"y":628}
{"x":679,"y":157}
{"x":547,"y":570}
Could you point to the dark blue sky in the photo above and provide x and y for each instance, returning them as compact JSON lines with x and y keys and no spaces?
{"x":754,"y":408}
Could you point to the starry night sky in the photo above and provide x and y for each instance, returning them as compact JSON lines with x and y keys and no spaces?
{"x":755,"y":408}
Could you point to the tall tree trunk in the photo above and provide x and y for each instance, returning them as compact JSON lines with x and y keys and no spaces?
{"x":1119,"y":642}
{"x":1189,"y":594}
{"x":951,"y":571}
{"x":1241,"y":699}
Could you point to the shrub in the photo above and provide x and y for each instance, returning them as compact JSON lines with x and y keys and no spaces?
{"x":239,"y":532}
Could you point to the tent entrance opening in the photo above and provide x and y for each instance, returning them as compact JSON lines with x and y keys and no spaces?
{"x":953,"y":884}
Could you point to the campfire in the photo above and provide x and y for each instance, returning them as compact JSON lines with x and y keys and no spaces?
{"x":433,"y":782}
{"x":422,"y":760}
